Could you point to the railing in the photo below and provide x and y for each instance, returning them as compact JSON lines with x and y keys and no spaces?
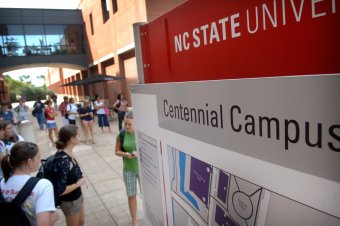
{"x":41,"y":50}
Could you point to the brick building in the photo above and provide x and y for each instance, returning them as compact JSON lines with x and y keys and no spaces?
{"x":108,"y":33}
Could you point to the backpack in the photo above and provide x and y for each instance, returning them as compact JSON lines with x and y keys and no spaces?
{"x":121,"y":138}
{"x":47,"y":170}
{"x":11,"y":213}
{"x":34,"y":111}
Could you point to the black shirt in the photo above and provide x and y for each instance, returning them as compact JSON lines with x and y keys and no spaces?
{"x":68,"y":172}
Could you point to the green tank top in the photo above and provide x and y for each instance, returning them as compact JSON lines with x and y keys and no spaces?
{"x":129,"y":146}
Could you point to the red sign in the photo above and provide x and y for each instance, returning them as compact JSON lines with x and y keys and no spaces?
{"x":220,"y":39}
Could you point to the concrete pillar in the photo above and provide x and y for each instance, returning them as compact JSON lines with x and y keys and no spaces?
{"x":25,"y":129}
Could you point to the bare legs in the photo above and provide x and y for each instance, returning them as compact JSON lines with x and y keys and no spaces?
{"x":91,"y":131}
{"x":133,"y":209}
{"x":50,"y":134}
{"x":88,"y":126}
{"x":77,"y":219}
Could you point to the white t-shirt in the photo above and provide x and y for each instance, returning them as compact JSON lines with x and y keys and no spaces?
{"x":72,"y":108}
{"x":40,"y":200}
{"x":100,"y":111}
{"x":2,"y":150}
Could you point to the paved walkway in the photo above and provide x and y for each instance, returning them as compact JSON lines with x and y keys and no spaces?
{"x":105,"y":195}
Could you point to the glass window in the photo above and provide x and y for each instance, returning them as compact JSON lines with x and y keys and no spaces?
{"x":35,"y":40}
{"x":91,"y":24}
{"x":55,"y":37}
{"x":114,"y":6}
{"x":105,"y":10}
{"x":74,"y":38}
{"x":12,"y":40}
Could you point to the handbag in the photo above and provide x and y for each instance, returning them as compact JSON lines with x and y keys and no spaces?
{"x":107,"y":112}
{"x":118,"y":105}
{"x":34,"y":112}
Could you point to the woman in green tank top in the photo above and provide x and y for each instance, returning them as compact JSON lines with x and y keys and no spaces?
{"x":130,"y":162}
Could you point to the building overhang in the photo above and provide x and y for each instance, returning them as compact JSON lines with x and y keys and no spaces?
{"x":94,"y":79}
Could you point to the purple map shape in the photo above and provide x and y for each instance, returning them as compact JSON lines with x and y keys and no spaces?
{"x":220,"y":219}
{"x":200,"y":175}
{"x":222,"y":186}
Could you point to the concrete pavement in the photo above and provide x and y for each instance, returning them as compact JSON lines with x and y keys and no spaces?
{"x":106,"y":202}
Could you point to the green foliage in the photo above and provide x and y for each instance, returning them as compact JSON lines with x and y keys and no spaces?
{"x":23,"y":89}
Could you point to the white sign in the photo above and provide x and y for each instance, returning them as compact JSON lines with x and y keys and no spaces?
{"x":240,"y":152}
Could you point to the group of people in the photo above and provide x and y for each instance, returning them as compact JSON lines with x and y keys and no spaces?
{"x":14,"y":115}
{"x":19,"y":159}
{"x":40,"y":207}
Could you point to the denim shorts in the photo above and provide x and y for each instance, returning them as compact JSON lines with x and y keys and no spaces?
{"x":51,"y":125}
{"x":72,"y":207}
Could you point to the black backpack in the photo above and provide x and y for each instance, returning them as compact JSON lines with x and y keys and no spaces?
{"x":11,"y":213}
{"x":48,"y":171}
{"x":121,"y":139}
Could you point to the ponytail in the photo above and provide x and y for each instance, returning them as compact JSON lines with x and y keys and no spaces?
{"x":6,"y":167}
{"x":60,"y":145}
{"x":65,"y":135}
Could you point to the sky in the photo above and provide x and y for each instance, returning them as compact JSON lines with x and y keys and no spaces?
{"x":46,"y":4}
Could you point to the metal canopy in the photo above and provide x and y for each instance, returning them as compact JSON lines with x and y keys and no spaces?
{"x":94,"y":79}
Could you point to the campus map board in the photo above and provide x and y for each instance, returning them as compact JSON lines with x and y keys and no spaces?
{"x":241,"y":102}
{"x":228,"y":153}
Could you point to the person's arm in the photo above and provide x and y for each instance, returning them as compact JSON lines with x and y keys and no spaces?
{"x":49,"y":114}
{"x":45,"y":207}
{"x":98,"y":107}
{"x":115,"y":105}
{"x":121,"y":153}
{"x":125,"y":106}
{"x":82,"y":113}
{"x":72,"y":187}
{"x":47,"y":218}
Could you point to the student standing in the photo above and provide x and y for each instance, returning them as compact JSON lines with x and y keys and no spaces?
{"x":51,"y":123}
{"x":21,"y":110}
{"x":99,"y":105}
{"x":86,"y":116}
{"x":6,"y":115}
{"x":69,"y":176}
{"x":63,"y":110}
{"x":130,"y":163}
{"x":10,"y":137}
{"x":39,"y":206}
{"x":120,"y":107}
{"x":71,"y":110}
{"x":39,"y":112}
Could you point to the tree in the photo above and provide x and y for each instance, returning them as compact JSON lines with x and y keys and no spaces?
{"x":30,"y":92}
{"x":24,"y":78}
{"x":12,"y":45}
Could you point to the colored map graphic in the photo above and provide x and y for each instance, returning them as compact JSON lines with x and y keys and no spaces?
{"x":230,"y":200}
{"x":191,"y":180}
